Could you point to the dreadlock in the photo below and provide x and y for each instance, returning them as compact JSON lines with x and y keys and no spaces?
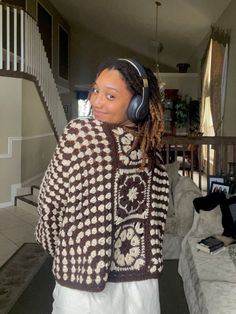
{"x":149,"y":132}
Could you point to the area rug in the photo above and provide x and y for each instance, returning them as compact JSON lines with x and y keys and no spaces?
{"x":17,"y":272}
{"x":37,"y":297}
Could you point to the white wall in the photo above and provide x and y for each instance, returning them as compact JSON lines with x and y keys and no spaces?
{"x":10,"y":131}
{"x":26,"y":138}
{"x":38,"y":139}
{"x":89,"y":50}
{"x":186,"y":83}
{"x":10,"y":110}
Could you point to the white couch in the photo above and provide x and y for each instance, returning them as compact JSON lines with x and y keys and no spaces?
{"x":209,"y":280}
{"x":180,"y":212}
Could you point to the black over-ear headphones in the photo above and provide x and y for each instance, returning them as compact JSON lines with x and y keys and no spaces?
{"x":139,"y":105}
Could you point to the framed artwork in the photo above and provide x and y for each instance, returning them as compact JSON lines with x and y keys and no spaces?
{"x":44,"y":19}
{"x":219,"y":187}
{"x":66,"y":108}
{"x":63,"y":53}
{"x":211,"y":178}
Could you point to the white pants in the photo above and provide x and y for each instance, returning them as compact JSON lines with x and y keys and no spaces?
{"x":140,"y":297}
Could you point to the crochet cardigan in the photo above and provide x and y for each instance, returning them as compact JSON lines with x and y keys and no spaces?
{"x":102,"y":216}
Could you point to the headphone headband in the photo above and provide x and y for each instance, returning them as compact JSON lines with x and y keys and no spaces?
{"x":139,"y":68}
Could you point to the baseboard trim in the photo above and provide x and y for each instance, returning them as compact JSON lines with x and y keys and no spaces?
{"x":6,"y":204}
{"x":20,"y":138}
{"x":16,"y":186}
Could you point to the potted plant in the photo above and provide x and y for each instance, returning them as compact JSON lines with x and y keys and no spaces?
{"x":187,"y":116}
{"x":181,"y":116}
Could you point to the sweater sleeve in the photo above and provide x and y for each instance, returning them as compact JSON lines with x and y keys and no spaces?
{"x":53,"y":192}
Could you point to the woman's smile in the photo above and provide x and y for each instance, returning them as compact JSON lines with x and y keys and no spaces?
{"x":98,"y":114}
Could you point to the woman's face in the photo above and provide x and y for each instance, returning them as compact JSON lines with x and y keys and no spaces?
{"x":110,"y":97}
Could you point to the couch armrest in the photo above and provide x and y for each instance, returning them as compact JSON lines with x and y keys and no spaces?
{"x":184,"y":194}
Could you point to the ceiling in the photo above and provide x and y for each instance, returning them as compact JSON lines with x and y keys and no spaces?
{"x":182,"y":24}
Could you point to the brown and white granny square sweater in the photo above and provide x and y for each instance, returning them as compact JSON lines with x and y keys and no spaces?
{"x":102,"y":216}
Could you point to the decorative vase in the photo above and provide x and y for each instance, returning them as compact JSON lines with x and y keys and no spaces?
{"x":183,"y":67}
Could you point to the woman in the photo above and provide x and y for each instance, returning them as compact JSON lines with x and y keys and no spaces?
{"x":104,"y":197}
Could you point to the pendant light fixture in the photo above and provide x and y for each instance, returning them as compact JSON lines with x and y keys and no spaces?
{"x":158,"y":44}
{"x":158,"y":49}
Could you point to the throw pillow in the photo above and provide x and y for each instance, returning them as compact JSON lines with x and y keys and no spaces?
{"x":209,"y":223}
{"x":209,"y":202}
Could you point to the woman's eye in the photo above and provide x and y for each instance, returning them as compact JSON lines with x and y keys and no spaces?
{"x":110,"y":97}
{"x":94,"y":90}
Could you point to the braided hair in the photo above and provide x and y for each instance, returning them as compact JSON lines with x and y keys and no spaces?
{"x":150,"y":129}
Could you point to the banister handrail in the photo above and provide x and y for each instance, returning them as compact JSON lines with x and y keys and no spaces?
{"x":199,"y":140}
{"x":28,"y":56}
{"x":188,"y":150}
{"x":4,"y":4}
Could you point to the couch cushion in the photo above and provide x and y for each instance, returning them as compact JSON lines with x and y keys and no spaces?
{"x":173,"y":175}
{"x":219,"y":267}
{"x":219,"y":297}
{"x":208,"y":278}
{"x":184,"y":194}
{"x":170,"y":226}
{"x":209,"y":223}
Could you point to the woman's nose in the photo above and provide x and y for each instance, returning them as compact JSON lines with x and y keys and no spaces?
{"x":97,"y":100}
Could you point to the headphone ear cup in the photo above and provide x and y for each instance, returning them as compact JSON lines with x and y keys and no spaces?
{"x":133,"y":107}
{"x":138,"y":107}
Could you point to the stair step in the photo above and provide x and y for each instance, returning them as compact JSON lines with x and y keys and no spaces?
{"x":35,"y":190}
{"x":27,"y":206}
{"x":28,"y":202}
{"x":23,"y":191}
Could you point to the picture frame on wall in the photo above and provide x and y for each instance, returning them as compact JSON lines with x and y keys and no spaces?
{"x":66,"y":108}
{"x":219,"y":187}
{"x":214,"y":178}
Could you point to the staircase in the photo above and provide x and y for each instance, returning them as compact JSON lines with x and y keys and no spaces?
{"x":28,"y":201}
{"x":22,"y":54}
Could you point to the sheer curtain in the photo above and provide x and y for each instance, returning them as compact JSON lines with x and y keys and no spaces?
{"x":219,"y":63}
{"x":214,"y":71}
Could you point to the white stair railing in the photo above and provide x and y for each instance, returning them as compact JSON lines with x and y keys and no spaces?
{"x":22,"y":50}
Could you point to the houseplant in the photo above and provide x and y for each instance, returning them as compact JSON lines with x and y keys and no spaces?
{"x":187,"y":115}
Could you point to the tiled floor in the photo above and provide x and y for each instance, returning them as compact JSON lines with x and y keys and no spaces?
{"x":17,"y":226}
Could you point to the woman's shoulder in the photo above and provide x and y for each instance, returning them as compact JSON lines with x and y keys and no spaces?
{"x":80,"y":126}
{"x":87,"y":124}
{"x":80,"y":130}
{"x":83,"y":122}
{"x":86,"y":130}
